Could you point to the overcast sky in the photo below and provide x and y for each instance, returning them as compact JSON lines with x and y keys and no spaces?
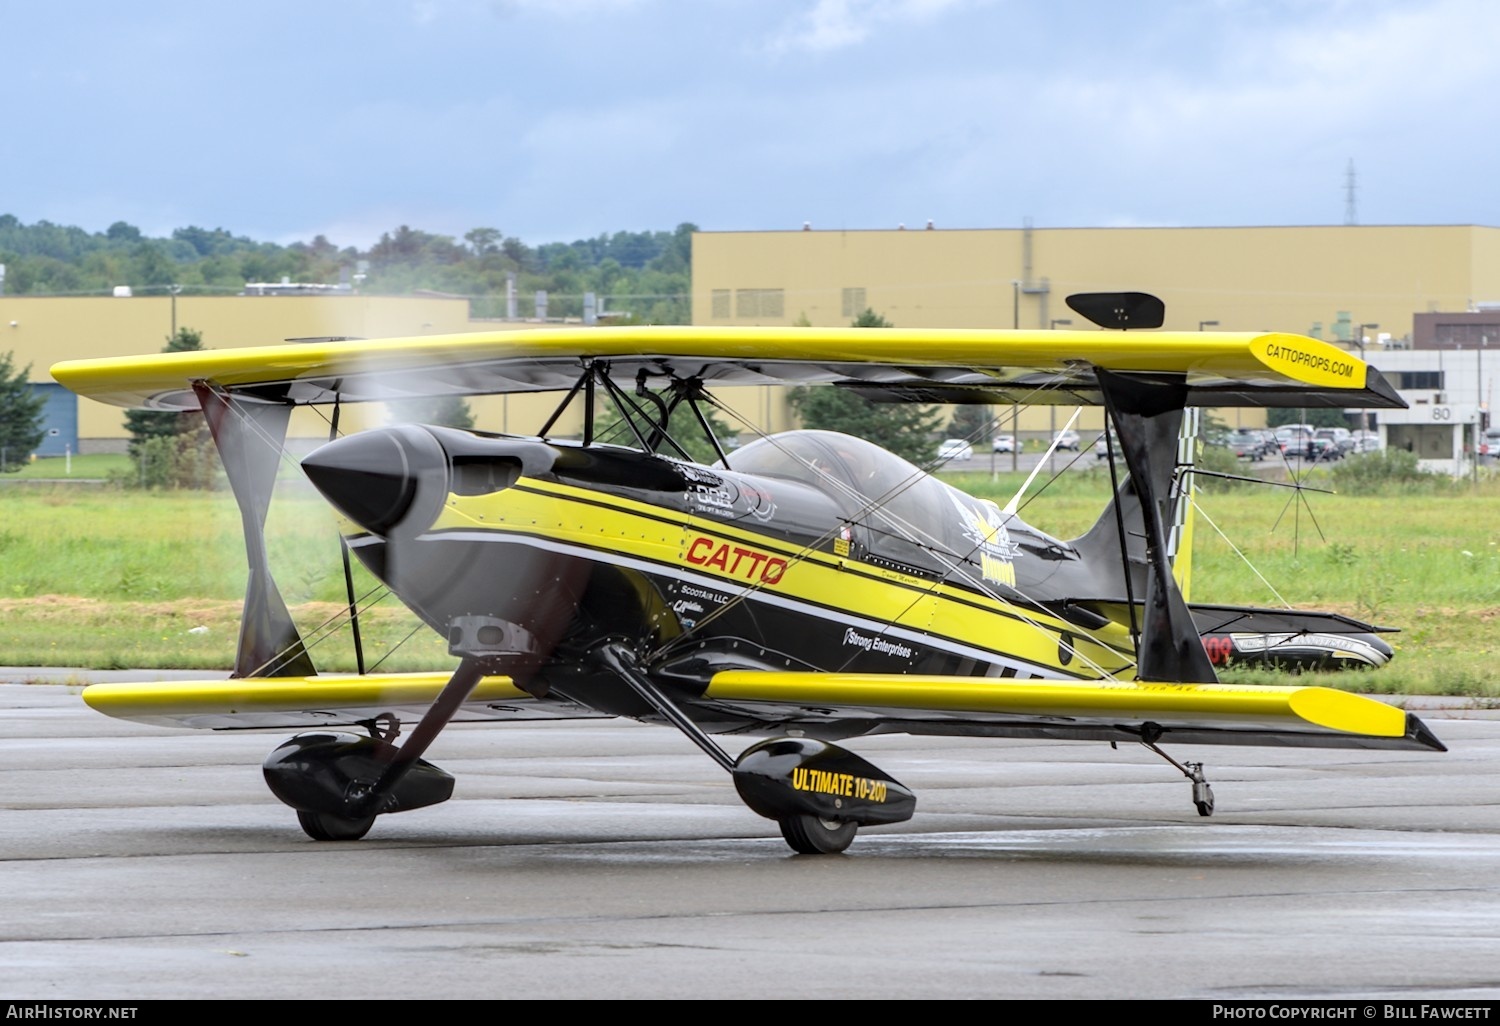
{"x":553,"y":120}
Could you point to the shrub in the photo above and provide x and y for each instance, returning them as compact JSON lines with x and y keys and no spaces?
{"x":1384,"y":470}
{"x":1218,"y":459}
{"x":187,"y":460}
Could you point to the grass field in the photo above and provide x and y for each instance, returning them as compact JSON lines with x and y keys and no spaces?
{"x":98,"y":577}
{"x":72,"y":468}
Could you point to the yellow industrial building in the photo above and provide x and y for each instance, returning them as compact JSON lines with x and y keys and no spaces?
{"x":1359,"y":285}
{"x":1351,"y":284}
{"x":42,"y":330}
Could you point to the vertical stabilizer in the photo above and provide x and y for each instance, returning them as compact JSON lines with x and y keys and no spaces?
{"x":1148,"y":419}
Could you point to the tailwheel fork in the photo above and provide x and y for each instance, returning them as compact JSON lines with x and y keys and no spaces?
{"x":1203,"y":794}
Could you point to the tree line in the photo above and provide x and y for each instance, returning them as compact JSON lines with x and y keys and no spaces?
{"x":642,"y":276}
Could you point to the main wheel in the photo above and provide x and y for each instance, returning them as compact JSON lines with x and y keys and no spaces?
{"x":323,"y":826}
{"x":812,"y":835}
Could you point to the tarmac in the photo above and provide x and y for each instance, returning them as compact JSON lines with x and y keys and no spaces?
{"x":611,"y":860}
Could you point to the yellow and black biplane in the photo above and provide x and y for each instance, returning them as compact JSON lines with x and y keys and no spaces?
{"x":806,"y":588}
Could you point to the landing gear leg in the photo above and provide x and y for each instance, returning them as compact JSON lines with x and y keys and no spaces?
{"x":338,"y":784}
{"x":1203,"y":795}
{"x":807,"y":835}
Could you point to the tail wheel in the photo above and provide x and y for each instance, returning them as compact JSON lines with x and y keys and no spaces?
{"x":812,"y":835}
{"x":322,"y":826}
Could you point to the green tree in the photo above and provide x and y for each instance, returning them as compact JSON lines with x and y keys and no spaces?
{"x":145,"y":425}
{"x":684,"y":429}
{"x":20,"y":415}
{"x":1321,"y":417}
{"x":972,"y":422}
{"x":906,"y":429}
{"x":484,"y":240}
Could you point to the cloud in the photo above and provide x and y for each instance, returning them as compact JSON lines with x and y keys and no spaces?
{"x":837,"y":24}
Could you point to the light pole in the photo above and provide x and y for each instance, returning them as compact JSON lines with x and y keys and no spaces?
{"x":174,"y":289}
{"x":1015,"y":411}
{"x":1481,"y":410}
{"x":1364,"y":415}
{"x":1207,"y":324}
{"x":1052,"y":408}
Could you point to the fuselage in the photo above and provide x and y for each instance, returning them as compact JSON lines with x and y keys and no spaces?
{"x":812,"y":551}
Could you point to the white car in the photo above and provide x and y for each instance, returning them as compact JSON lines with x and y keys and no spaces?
{"x":955,"y":449}
{"x":1005,"y":443}
{"x":1067,"y":439}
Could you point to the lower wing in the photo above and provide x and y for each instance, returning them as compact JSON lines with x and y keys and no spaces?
{"x":1296,"y":716}
{"x":841,"y":704}
{"x":321,"y":701}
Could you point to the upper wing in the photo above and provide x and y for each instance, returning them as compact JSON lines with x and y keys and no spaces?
{"x":321,"y":701}
{"x":929,"y":365}
{"x":1296,"y":716}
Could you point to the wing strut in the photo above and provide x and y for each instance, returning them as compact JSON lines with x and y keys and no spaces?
{"x":1147,"y":416}
{"x":587,"y":375}
{"x":359,"y":646}
{"x":250,"y":437}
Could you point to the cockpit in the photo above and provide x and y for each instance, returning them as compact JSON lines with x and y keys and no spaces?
{"x":855,"y":472}
{"x":902,"y":514}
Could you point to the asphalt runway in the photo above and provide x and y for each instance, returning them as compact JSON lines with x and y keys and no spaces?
{"x":598,"y":860}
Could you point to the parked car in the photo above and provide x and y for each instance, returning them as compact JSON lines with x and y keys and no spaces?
{"x":1340,"y":441}
{"x":1367,"y":441}
{"x":1301,"y":441}
{"x":1005,"y":443}
{"x":1067,"y":439}
{"x":955,"y":449}
{"x":1102,"y":445}
{"x":1253,"y":444}
{"x":1489,"y":445}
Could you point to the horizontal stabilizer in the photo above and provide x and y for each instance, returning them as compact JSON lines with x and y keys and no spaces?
{"x":1296,"y":716}
{"x":1220,"y":619}
{"x":320,"y":701}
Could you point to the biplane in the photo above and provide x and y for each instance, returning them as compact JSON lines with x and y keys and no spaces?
{"x":805,"y":590}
